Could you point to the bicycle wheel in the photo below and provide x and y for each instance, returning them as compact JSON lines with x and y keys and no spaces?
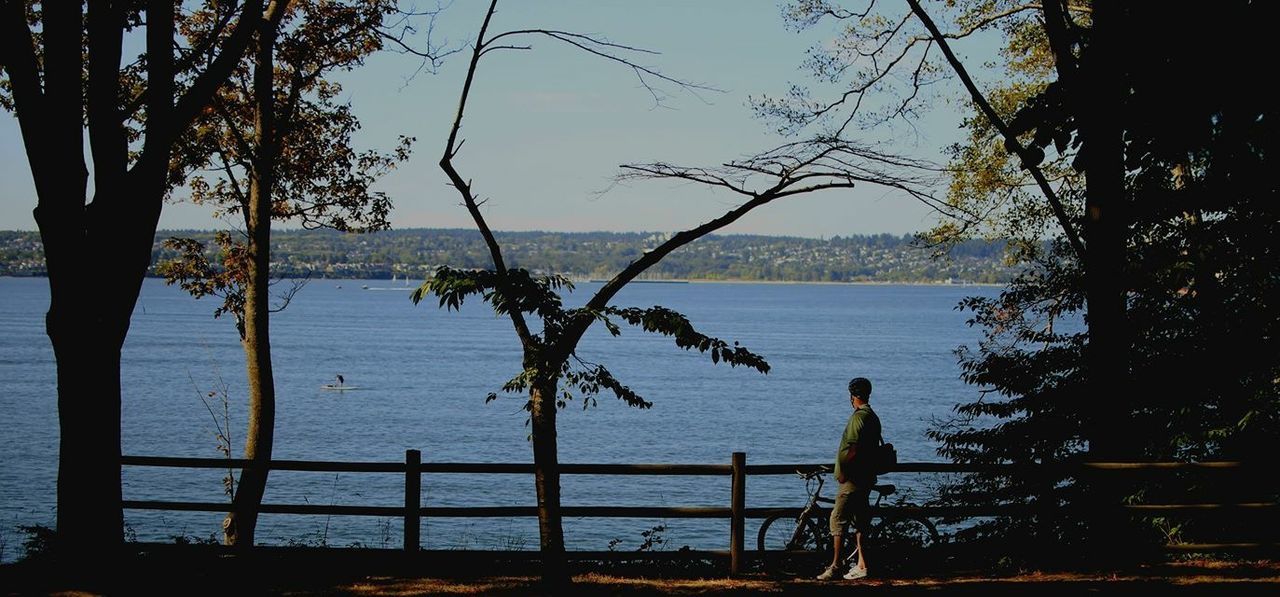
{"x":788,"y":546}
{"x":901,"y":539}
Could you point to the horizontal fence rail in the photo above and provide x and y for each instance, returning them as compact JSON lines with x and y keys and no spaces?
{"x":412,"y":511}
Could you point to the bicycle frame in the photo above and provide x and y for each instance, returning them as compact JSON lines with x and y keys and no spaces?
{"x":810,"y":532}
{"x":812,"y":510}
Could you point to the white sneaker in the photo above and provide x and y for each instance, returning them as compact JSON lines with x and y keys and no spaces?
{"x":855,"y":573}
{"x":829,"y":573}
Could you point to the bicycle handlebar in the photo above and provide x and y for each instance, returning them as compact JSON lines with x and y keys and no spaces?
{"x":881,"y":491}
{"x":813,"y":474}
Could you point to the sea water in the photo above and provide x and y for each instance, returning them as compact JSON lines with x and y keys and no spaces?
{"x":423,"y":374}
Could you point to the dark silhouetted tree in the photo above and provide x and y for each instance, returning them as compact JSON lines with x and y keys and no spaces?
{"x":64,"y":75}
{"x":1135,"y":138}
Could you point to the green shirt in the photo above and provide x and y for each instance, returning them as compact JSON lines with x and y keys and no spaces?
{"x":862,"y":430}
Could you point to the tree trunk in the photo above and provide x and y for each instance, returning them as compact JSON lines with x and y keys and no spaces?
{"x":90,"y":517}
{"x":81,"y":321}
{"x":97,"y":260}
{"x":97,"y":254}
{"x":239,"y":526}
{"x":1110,"y":402}
{"x":546,"y":467}
{"x":1105,"y":233}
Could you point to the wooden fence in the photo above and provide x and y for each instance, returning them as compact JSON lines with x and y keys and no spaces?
{"x":736,"y":511}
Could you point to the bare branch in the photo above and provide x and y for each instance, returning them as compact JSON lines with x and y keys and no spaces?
{"x":794,"y":168}
{"x":859,"y":91}
{"x":506,"y":47}
{"x":464,"y":188}
{"x":613,"y":52}
{"x":610,"y":51}
{"x":876,"y":48}
{"x":987,"y":20}
{"x":664,"y":170}
{"x":243,"y":148}
{"x":432,"y":54}
{"x":287,"y":295}
{"x":236,"y":188}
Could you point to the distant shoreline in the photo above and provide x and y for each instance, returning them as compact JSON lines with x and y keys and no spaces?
{"x":594,"y":256}
{"x":673,"y":281}
{"x":806,"y":282}
{"x":855,"y":283}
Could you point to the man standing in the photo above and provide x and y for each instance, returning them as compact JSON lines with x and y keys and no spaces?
{"x":855,"y":474}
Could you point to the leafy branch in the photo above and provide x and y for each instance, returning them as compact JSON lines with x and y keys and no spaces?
{"x":520,"y":292}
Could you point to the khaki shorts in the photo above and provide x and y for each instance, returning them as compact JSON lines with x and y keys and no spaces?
{"x":852,"y":506}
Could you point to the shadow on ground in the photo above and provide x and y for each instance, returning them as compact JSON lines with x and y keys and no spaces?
{"x":389,"y":573}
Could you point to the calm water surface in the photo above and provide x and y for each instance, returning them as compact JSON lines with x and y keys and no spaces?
{"x":423,"y":374}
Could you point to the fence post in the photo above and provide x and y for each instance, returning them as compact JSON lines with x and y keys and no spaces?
{"x":737,"y":507}
{"x":412,"y":499}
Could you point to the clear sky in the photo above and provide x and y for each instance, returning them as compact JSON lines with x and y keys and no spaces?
{"x":546,"y":129}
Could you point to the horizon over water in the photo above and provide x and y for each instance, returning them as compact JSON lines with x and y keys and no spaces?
{"x":423,"y":373}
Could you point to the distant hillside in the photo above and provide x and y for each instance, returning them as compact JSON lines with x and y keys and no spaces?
{"x":417,"y":252}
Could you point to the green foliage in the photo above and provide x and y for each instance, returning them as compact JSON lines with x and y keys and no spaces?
{"x":1031,"y":409}
{"x":318,"y":179}
{"x":518,"y":291}
{"x":654,"y":539}
{"x":40,"y":541}
{"x":195,"y":273}
{"x":670,"y":323}
{"x":1201,"y":270}
{"x":189,"y":539}
{"x":651,"y":539}
{"x":590,"y":379}
{"x":1200,"y":229}
{"x":308,"y":171}
{"x":549,"y":357}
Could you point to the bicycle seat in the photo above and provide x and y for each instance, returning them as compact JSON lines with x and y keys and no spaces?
{"x":886,"y":489}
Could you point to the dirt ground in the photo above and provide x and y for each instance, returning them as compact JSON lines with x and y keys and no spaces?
{"x":1236,"y":579}
{"x":1260,"y":577}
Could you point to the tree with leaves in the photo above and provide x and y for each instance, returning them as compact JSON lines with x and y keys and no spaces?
{"x":65,"y":72}
{"x":553,"y":371}
{"x":1167,"y":197}
{"x":280,"y":146}
{"x":1189,"y":219}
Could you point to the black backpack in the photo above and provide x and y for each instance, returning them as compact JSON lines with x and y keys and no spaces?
{"x":886,"y":458}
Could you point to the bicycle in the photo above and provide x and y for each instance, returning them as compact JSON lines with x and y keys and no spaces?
{"x":793,"y":543}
